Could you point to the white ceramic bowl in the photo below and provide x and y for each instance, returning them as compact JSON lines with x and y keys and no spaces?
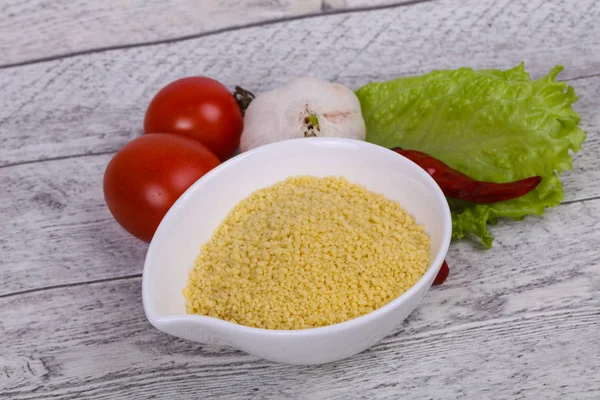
{"x":193,"y":218}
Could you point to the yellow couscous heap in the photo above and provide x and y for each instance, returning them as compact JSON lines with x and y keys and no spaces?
{"x":307,"y":252}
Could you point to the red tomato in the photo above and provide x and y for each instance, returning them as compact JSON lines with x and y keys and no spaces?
{"x":200,"y":108}
{"x":145,"y":177}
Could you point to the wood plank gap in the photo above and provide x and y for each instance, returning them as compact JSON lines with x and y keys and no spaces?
{"x":582,"y":77}
{"x":213,"y":32}
{"x":564,"y":203}
{"x":68,"y":285}
{"x":67,"y":157}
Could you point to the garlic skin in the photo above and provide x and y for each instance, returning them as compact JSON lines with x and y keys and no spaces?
{"x":286,"y":113}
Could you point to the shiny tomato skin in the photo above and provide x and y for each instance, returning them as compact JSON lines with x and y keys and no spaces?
{"x":201,"y":108}
{"x":143,"y":180}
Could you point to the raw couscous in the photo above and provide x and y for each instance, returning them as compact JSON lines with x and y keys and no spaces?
{"x":307,"y":252}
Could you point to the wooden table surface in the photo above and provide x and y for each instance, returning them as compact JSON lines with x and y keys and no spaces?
{"x":519,"y":321}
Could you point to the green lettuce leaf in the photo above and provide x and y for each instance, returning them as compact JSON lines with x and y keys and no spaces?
{"x":492,"y":125}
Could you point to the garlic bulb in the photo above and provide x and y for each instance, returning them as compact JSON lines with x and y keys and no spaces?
{"x":306,"y":107}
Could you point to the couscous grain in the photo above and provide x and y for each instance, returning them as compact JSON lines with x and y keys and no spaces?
{"x":307,"y":252}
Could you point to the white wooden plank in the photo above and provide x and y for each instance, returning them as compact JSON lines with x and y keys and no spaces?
{"x":518,"y":321}
{"x":56,"y":228}
{"x":95,"y":103}
{"x":536,"y":356}
{"x":36,"y":29}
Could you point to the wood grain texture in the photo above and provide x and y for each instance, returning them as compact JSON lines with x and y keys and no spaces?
{"x":503,"y":326}
{"x":518,"y":321}
{"x":56,"y":228}
{"x":95,"y":103}
{"x":39,"y":29}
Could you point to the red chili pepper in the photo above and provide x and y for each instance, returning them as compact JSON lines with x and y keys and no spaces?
{"x":442,"y":274}
{"x":460,"y":186}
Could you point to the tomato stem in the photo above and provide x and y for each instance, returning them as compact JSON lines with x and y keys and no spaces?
{"x":243,"y":97}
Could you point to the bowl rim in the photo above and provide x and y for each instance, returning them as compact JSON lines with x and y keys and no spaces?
{"x":162,"y":321}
